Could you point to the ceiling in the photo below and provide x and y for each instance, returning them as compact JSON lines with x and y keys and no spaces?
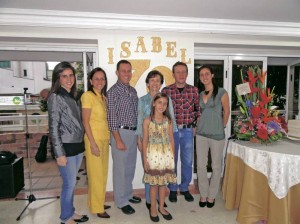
{"x":256,"y":10}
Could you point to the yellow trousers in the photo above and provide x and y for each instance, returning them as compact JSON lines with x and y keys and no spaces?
{"x":97,"y":170}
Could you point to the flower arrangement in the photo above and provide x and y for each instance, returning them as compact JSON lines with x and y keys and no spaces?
{"x":259,"y":121}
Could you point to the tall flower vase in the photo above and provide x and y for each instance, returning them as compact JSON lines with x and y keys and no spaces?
{"x":255,"y":140}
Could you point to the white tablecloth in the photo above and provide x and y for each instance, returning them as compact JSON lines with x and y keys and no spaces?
{"x":278,"y":161}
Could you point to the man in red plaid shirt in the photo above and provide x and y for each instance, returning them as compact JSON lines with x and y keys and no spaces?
{"x":185,"y":99}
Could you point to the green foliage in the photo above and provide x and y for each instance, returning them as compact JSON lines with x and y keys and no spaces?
{"x":79,"y":70}
{"x":43,"y":105}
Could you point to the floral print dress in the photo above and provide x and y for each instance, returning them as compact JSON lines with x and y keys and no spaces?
{"x":160,"y":155}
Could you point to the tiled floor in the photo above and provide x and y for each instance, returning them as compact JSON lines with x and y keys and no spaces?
{"x":47,"y":211}
{"x":46,"y":182}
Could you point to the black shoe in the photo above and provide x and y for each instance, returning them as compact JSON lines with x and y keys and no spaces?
{"x":107,"y":207}
{"x":148,"y":205}
{"x":153,"y":218}
{"x":135,"y":200}
{"x":187,"y":196}
{"x":202,"y":204}
{"x":173,"y":196}
{"x":84,"y":218}
{"x":166,"y":217}
{"x":103,"y":215}
{"x":128,"y":210}
{"x":165,"y":205}
{"x":210,"y":204}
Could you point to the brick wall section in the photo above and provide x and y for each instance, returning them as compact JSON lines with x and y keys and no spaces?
{"x":16,"y":142}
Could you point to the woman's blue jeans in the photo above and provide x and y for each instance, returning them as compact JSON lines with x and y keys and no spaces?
{"x":69,"y":174}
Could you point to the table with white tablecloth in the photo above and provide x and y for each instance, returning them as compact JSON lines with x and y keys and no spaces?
{"x":263,"y":181}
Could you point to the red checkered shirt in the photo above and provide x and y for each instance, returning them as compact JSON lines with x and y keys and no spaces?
{"x":185,"y":103}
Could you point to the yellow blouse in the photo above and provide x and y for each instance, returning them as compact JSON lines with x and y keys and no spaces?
{"x":98,"y":118}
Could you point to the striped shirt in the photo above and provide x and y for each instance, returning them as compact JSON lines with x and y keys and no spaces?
{"x":122,"y":103}
{"x":185,"y":103}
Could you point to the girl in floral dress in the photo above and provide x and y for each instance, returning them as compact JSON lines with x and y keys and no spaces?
{"x":158,"y":154}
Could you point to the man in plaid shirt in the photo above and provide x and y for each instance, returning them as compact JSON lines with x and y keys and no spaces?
{"x":185,"y":99}
{"x":122,"y":103}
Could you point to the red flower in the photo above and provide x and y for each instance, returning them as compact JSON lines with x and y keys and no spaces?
{"x":262,"y":134}
{"x":265,"y":117}
{"x":265,"y":98}
{"x":264,"y":111}
{"x":262,"y":77}
{"x":252,"y":81}
{"x":250,"y":126}
{"x":254,"y":90}
{"x":255,"y":111}
{"x":283,"y":123}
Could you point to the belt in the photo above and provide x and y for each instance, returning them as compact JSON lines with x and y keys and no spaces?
{"x":128,"y":128}
{"x":180,"y":126}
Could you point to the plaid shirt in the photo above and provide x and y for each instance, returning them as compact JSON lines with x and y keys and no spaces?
{"x":185,"y":103}
{"x":122,"y":103}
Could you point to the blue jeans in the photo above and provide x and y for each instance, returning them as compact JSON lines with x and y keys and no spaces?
{"x":184,"y":139}
{"x":69,"y":174}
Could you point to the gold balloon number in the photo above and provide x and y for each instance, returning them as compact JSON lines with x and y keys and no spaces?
{"x":140,"y":66}
{"x":167,"y":73}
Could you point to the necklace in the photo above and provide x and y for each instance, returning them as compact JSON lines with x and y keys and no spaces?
{"x":207,"y":92}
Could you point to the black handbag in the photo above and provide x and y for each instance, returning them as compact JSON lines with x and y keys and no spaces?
{"x":41,"y":154}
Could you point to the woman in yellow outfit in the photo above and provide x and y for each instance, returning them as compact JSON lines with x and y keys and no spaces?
{"x":96,"y":140}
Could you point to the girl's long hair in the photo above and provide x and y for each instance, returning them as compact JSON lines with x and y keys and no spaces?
{"x":57,"y":71}
{"x":166,"y":112}
{"x":90,"y":77}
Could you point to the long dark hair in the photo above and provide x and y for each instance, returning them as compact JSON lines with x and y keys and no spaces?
{"x":166,"y":112}
{"x":90,"y":77}
{"x":216,"y":88}
{"x":58,"y":69}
